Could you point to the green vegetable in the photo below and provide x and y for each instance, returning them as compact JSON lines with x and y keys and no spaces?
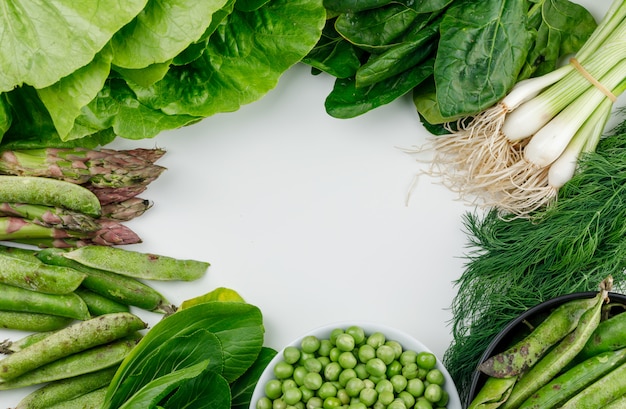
{"x":27,"y":321}
{"x":37,"y":276}
{"x":9,"y":347}
{"x":69,"y":340}
{"x":493,"y":393}
{"x":602,"y":392}
{"x":98,"y":304}
{"x":17,"y":299}
{"x":209,"y":345}
{"x":574,"y":380}
{"x":47,"y":216}
{"x":49,"y":192}
{"x":59,"y":392}
{"x":90,"y":400}
{"x":568,"y":247}
{"x":609,"y":336}
{"x":80,"y":363}
{"x":116,"y":287}
{"x":137,"y":264}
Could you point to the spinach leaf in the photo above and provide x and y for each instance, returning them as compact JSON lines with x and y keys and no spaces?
{"x":482,"y":50}
{"x":161,"y":31}
{"x":236,"y":327}
{"x":37,"y":35}
{"x":346,"y":100}
{"x":333,"y":54}
{"x":5,"y":115}
{"x":353,"y":6}
{"x":250,"y":5}
{"x":209,"y":390}
{"x":244,"y":59}
{"x":562,"y":28}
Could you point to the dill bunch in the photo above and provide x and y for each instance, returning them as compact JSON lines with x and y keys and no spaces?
{"x":516,"y":263}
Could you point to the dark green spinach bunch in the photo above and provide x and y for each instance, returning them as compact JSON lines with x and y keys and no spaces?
{"x":457,"y":57}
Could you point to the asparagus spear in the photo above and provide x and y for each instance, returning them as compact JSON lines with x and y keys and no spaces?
{"x":49,"y":216}
{"x":127,"y":209}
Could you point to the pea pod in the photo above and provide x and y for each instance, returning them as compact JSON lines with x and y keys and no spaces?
{"x":65,"y":390}
{"x":493,"y":393}
{"x":9,"y":347}
{"x":70,"y":340}
{"x":90,"y":400}
{"x":619,"y":403}
{"x":80,"y":363}
{"x":22,"y":300}
{"x":27,"y":321}
{"x":119,"y":288}
{"x":608,"y":336}
{"x":18,"y":252}
{"x":137,"y":264}
{"x":602,"y":392}
{"x":525,"y":353}
{"x":49,"y":192}
{"x":558,"y":357}
{"x":566,"y":385}
{"x":37,"y":276}
{"x":100,"y":305}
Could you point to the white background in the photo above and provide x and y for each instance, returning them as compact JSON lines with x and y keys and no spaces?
{"x":306,"y":216}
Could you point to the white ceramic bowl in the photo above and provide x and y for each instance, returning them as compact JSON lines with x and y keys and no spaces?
{"x":407,"y":342}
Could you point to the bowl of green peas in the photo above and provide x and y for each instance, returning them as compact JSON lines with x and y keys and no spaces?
{"x":355,"y":365}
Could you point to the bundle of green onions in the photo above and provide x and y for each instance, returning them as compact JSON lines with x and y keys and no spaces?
{"x":515,"y":155}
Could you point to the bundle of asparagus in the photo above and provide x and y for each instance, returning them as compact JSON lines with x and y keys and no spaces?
{"x":72,"y":197}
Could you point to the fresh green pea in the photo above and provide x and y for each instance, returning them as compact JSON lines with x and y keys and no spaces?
{"x":310,"y":344}
{"x":426,"y":360}
{"x":399,"y":383}
{"x":299,"y":372}
{"x":347,"y":360}
{"x":386,"y":397}
{"x":305,"y":355}
{"x":435,"y":376}
{"x":397,"y":348}
{"x":279,"y":403}
{"x":354,"y":386}
{"x":288,"y":384}
{"x":360,"y":370}
{"x":334,"y":334}
{"x":273,"y":389}
{"x":315,"y":403}
{"x":306,"y":393}
{"x":345,"y":342}
{"x":397,"y":404}
{"x":368,"y":383}
{"x":313,"y":381}
{"x":366,"y":352}
{"x":445,"y":398}
{"x":433,"y":393}
{"x":283,"y":370}
{"x":384,"y":385}
{"x":291,"y":354}
{"x":410,"y":371}
{"x":376,"y":367}
{"x":324,"y":348}
{"x":346,"y":375}
{"x":408,"y":357}
{"x":332,"y":371}
{"x":324,"y":360}
{"x":376,"y":339}
{"x":327,"y":389}
{"x":357,"y":405}
{"x":415,"y":387}
{"x":394,"y":368}
{"x":332,"y":402}
{"x":292,"y":395}
{"x":334,"y":354}
{"x":385,"y":353}
{"x":377,"y":379}
{"x":422,"y":403}
{"x":313,"y":365}
{"x":264,"y":403}
{"x":407,"y":398}
{"x":343,"y":396}
{"x":368,"y":396}
{"x":357,"y":333}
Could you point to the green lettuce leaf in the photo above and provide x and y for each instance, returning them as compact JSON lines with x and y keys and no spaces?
{"x":161,"y":31}
{"x":244,"y":59}
{"x":46,"y":40}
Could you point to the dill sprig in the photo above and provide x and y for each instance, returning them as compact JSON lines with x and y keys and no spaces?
{"x":516,"y":263}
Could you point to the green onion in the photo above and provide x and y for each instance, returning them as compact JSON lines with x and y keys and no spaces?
{"x":515,"y":155}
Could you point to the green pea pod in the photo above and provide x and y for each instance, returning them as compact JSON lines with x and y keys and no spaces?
{"x":558,"y":357}
{"x":116,"y":287}
{"x":62,"y":391}
{"x":566,"y":385}
{"x":49,"y":192}
{"x":137,"y":264}
{"x":37,"y":276}
{"x":70,"y":340}
{"x":9,"y":347}
{"x":525,"y":353}
{"x":619,"y":403}
{"x":602,"y":392}
{"x":21,"y":300}
{"x":608,"y":336}
{"x":90,"y":400}
{"x":27,"y":321}
{"x":493,"y":393}
{"x":100,"y":305}
{"x":80,"y":363}
{"x":18,"y":252}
